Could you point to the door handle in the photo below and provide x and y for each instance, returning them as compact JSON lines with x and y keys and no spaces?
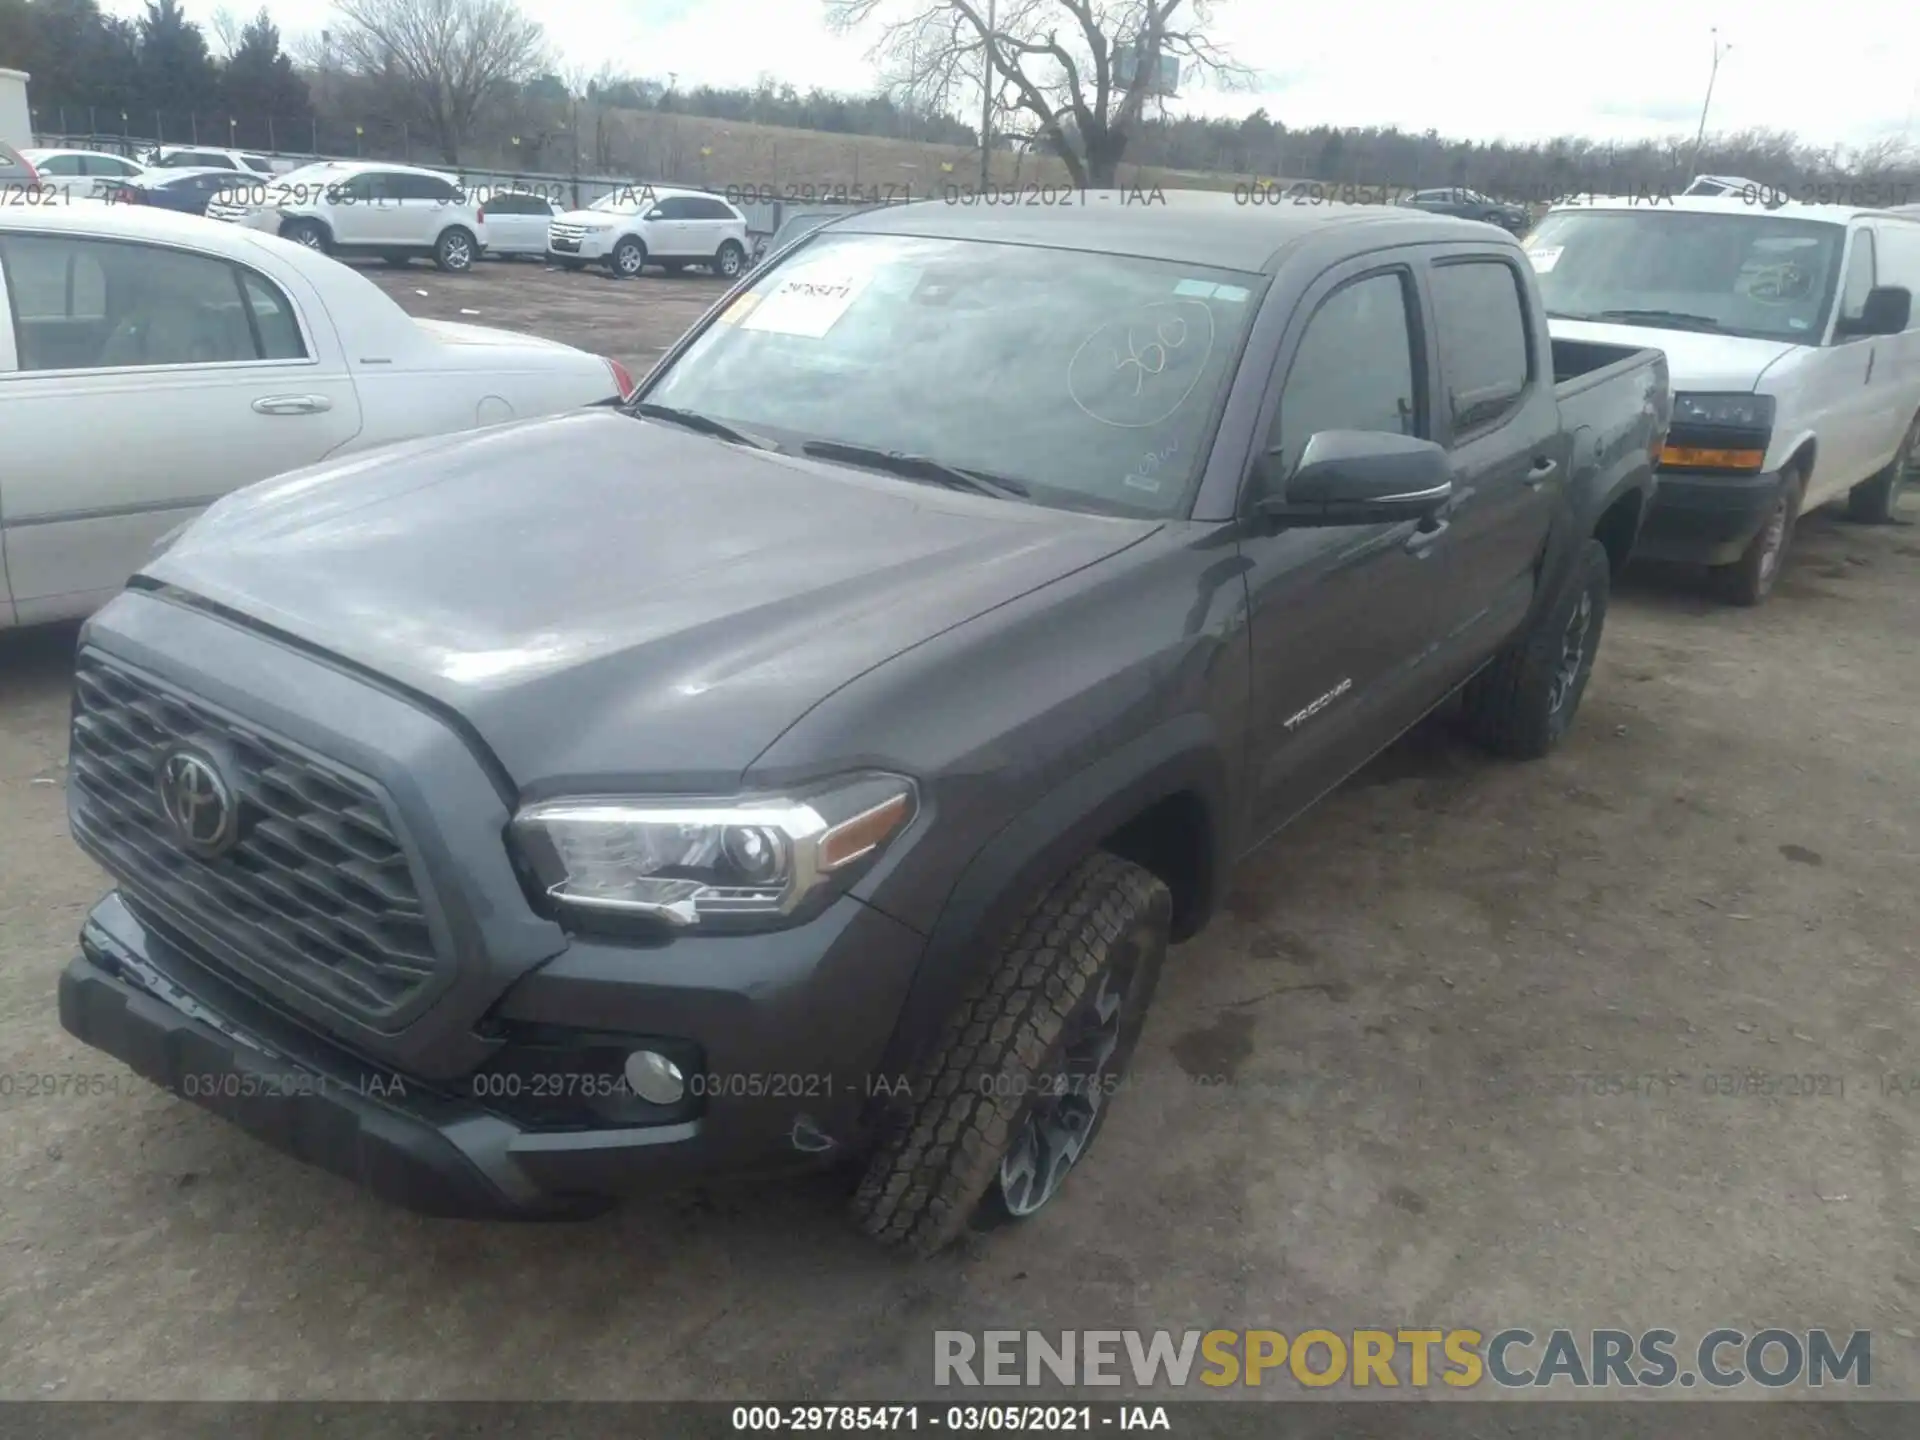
{"x":1542,"y":471}
{"x":1422,"y":541}
{"x":292,"y":404}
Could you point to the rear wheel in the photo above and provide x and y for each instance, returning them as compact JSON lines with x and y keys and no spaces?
{"x":628,"y":259}
{"x":454,"y":250}
{"x":1877,"y":501}
{"x":1750,"y":579}
{"x":730,"y":261}
{"x":1029,"y":1064}
{"x":1523,"y":703}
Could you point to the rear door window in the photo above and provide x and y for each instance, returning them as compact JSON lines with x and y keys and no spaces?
{"x":1484,"y":359}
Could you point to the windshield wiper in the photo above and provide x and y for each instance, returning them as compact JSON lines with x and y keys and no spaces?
{"x":1661,"y":317}
{"x":705,"y":424}
{"x":918,"y":467}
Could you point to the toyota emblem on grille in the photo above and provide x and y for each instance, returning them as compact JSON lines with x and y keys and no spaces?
{"x":198,"y":803}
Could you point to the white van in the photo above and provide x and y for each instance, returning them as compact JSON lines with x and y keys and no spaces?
{"x":1794,"y":352}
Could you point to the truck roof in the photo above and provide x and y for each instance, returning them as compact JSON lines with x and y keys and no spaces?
{"x":1202,"y":227}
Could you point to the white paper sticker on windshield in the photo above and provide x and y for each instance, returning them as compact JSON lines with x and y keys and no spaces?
{"x":807,"y":303}
{"x":1233,"y":294}
{"x":1545,"y":258}
{"x":1195,"y":289}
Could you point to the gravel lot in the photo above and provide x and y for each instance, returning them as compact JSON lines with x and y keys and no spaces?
{"x":1716,"y":875}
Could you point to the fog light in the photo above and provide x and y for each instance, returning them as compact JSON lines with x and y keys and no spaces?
{"x":654,"y":1078}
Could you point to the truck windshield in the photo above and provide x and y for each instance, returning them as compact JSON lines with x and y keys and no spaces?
{"x":1092,"y":381}
{"x":1759,"y":275}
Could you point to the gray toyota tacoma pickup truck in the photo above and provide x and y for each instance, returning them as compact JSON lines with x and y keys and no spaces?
{"x":811,"y":760}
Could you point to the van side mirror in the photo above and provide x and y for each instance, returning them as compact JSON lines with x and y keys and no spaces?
{"x":1361,"y":477}
{"x":1886,"y":312}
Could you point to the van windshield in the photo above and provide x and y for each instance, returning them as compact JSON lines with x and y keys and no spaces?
{"x":1759,"y":275}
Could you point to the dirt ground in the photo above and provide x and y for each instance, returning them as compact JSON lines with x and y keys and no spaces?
{"x":1713,"y":879}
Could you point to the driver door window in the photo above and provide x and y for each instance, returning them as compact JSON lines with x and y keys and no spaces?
{"x":1860,"y":276}
{"x":1354,"y":369}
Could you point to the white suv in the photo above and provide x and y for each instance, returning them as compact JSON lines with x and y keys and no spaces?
{"x":641,"y":225}
{"x":397,"y":212}
{"x":185,"y":157}
{"x":82,"y":174}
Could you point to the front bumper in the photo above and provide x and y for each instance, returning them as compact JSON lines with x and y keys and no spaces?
{"x":588,"y":247}
{"x":442,"y":1148}
{"x":1706,"y":519}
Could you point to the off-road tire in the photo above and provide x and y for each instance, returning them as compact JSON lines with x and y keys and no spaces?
{"x":1509,"y":707}
{"x":1750,"y":580}
{"x":925,"y":1182}
{"x":455,"y":250}
{"x":1877,"y":501}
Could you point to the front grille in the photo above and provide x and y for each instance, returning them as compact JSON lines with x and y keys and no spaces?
{"x":317,"y":892}
{"x":561,"y":231}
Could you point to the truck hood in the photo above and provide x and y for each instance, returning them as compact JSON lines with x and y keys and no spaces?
{"x":612,"y":601}
{"x":1695,"y":361}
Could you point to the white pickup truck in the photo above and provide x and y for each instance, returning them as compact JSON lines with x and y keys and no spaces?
{"x":152,"y":362}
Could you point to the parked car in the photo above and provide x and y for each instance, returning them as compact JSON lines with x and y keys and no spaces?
{"x":516,"y":222}
{"x":77,"y":173}
{"x":352,"y":208}
{"x":793,"y":225}
{"x":1735,"y":185}
{"x":135,"y":387}
{"x":188,"y":191}
{"x":173,"y":157}
{"x":794,"y":769}
{"x":1470,"y":205}
{"x":641,"y":225}
{"x":1793,"y":346}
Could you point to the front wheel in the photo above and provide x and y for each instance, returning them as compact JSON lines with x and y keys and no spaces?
{"x":1877,"y":501}
{"x":309,"y":233}
{"x":1029,"y":1064}
{"x":1750,"y":579}
{"x":1523,"y":703}
{"x":453,"y":251}
{"x":629,"y":258}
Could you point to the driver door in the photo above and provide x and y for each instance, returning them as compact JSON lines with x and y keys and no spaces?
{"x":1346,"y":621}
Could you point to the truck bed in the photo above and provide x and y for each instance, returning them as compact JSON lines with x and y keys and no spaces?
{"x":1616,"y":403}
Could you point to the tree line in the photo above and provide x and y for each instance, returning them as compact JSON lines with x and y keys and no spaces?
{"x":474,"y":82}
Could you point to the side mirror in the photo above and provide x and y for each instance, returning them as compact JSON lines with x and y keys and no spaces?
{"x":656,"y":214}
{"x":1362,"y":477}
{"x":1886,"y":312}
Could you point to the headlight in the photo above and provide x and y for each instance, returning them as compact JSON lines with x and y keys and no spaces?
{"x":597,"y":227}
{"x":1748,"y":412}
{"x":745,"y":862}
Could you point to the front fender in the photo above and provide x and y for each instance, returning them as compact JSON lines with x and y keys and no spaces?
{"x":1026,"y":857}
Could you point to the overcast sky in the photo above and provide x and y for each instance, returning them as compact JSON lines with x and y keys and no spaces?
{"x":1844,"y":71}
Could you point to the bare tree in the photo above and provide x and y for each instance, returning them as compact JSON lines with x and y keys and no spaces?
{"x":1060,"y":58}
{"x":226,"y":27}
{"x":442,"y":61}
{"x":1889,"y":155}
